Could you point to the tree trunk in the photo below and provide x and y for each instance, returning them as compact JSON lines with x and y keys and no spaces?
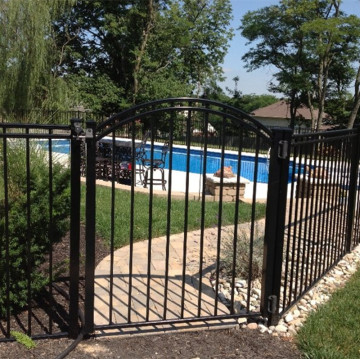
{"x":356,"y":101}
{"x":140,"y":55}
{"x":311,"y":108}
{"x":293,"y":108}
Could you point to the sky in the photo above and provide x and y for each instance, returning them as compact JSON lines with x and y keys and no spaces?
{"x":256,"y":81}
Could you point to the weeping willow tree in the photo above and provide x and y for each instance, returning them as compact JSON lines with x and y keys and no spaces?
{"x":29,"y":55}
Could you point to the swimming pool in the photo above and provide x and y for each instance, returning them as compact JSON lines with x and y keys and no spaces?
{"x":213,"y":161}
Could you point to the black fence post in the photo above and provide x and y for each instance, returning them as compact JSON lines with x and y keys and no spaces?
{"x":354,"y":176}
{"x":75,"y":153}
{"x":275,"y":223}
{"x":90,"y":211}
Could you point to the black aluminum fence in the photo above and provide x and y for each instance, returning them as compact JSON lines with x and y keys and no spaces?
{"x":322,"y":222}
{"x":35,"y":204}
{"x":48,"y":117}
{"x":171,"y":258}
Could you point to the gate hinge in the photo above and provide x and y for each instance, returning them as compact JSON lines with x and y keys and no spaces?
{"x":283,"y":150}
{"x":272,"y":304}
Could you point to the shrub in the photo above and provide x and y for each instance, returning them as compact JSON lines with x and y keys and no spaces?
{"x":242,"y":263}
{"x":29,"y":245}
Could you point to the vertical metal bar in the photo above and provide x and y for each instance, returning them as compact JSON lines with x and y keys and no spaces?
{"x":202,"y":220}
{"x":342,"y":207}
{"x":90,"y":225}
{"x":112,"y":229}
{"x":318,"y":217}
{"x":313,"y":211}
{"x":151,"y":196}
{"x":327,"y":204}
{"x":75,"y":196}
{"x":322,"y":209}
{"x":357,"y":213}
{"x":301,"y":238}
{"x":186,"y":211}
{"x":7,"y":239}
{"x":236,"y":219}
{"x":252,"y":226}
{"x":132,"y":211}
{"x":338,"y":191}
{"x":335,"y":206}
{"x":290,"y":225}
{"x":50,"y":226}
{"x":354,"y":173}
{"x":275,"y":223}
{"x":168,"y":217}
{"x":296,"y":239}
{"x":307,"y":230}
{"x":218,"y":247}
{"x":28,"y":234}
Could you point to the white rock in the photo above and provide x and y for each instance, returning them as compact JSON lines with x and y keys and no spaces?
{"x":281,"y":328}
{"x":242,"y":320}
{"x":263,"y":328}
{"x":296,"y":322}
{"x":289,"y":317}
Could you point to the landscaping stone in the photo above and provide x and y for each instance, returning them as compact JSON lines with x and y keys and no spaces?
{"x":281,"y":328}
{"x":252,"y":326}
{"x":297,"y":315}
{"x":289,"y":318}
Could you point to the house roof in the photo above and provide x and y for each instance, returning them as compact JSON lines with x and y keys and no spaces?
{"x":281,"y":109}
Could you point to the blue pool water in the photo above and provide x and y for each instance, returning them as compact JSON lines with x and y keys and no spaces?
{"x":213,"y":163}
{"x":196,"y":160}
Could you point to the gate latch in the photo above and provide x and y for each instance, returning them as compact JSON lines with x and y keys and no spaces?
{"x":89,"y":133}
{"x":272,"y":304}
{"x":283,"y":149}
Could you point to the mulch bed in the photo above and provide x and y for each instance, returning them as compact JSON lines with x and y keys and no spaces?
{"x":241,"y":343}
{"x":49,"y":312}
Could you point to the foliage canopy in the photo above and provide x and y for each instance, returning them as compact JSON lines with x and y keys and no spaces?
{"x":312,"y":44}
{"x":29,"y":55}
{"x":143,"y":50}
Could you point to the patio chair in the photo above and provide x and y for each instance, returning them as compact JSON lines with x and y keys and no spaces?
{"x":140,"y":156}
{"x":154,"y":165}
{"x":103,"y":158}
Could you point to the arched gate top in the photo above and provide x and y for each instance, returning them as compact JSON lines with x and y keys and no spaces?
{"x":179,"y":105}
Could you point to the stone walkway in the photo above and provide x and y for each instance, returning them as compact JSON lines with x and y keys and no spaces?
{"x":149,"y":304}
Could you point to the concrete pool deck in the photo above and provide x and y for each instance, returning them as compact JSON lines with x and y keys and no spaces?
{"x":178,"y":187}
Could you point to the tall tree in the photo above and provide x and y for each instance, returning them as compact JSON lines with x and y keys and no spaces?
{"x":28,"y":54}
{"x":356,"y":101}
{"x":146,"y":48}
{"x":305,"y":40}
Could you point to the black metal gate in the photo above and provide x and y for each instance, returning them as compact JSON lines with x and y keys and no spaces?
{"x":174,"y":273}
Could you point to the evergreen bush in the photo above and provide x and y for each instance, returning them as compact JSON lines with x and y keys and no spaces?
{"x":27,"y":246}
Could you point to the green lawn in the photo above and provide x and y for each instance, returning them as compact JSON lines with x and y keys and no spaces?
{"x":333,"y":331}
{"x":159,"y":215}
